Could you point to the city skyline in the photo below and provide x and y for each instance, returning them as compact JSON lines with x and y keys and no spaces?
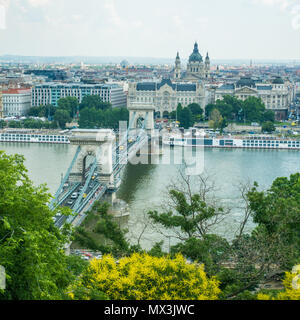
{"x":248,"y":29}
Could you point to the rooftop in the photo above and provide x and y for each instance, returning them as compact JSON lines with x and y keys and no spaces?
{"x":153,"y":86}
{"x":16,"y":91}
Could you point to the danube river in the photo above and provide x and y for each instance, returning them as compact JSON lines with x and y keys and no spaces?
{"x":143,"y":186}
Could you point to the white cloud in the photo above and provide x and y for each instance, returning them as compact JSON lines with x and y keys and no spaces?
{"x":178,"y":21}
{"x":112,"y":11}
{"x":4,"y":4}
{"x":137,"y":24}
{"x":283,"y":4}
{"x":38,"y":3}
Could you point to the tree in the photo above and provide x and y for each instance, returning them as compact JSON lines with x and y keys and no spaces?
{"x":197,"y":111}
{"x":185,"y":117}
{"x":290,"y":293}
{"x":31,"y":247}
{"x":217,"y":121}
{"x":235,"y":107}
{"x":276,"y":211}
{"x":254,"y":109}
{"x":98,"y":118}
{"x":268,"y":127}
{"x":110,"y":238}
{"x":14,"y":124}
{"x":62,"y":117}
{"x":50,"y":111}
{"x":90,"y":118}
{"x":94,"y":101}
{"x":69,"y":104}
{"x":191,"y":205}
{"x":211,"y":250}
{"x":251,"y":256}
{"x":2,"y":124}
{"x":33,"y":124}
{"x":143,"y":277}
{"x":269,"y":115}
{"x":229,"y":107}
{"x":36,"y":111}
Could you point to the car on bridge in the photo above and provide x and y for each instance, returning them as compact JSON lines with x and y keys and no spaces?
{"x":70,"y":202}
{"x":74,"y":195}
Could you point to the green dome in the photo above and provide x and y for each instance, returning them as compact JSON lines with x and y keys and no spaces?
{"x":195,"y":56}
{"x":278,"y":80}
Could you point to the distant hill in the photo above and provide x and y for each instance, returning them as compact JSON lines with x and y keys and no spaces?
{"x":131,"y":60}
{"x":87,"y":60}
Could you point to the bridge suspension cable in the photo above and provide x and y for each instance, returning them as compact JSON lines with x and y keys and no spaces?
{"x":66,"y":177}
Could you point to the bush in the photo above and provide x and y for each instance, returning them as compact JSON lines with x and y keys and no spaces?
{"x":143,"y":277}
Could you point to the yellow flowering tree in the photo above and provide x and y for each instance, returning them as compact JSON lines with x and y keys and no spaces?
{"x":289,"y":293}
{"x":144,"y":277}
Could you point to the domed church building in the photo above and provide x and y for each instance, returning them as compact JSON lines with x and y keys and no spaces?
{"x":197,"y":68}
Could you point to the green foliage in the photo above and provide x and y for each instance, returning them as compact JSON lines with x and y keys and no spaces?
{"x":185,"y":117}
{"x":62,"y":117}
{"x":269,"y":116}
{"x":42,"y":111}
{"x":15,"y":124}
{"x":217,"y":121}
{"x":94,"y":102}
{"x":98,"y":118}
{"x":112,"y":239}
{"x":2,"y":124}
{"x":31,"y":247}
{"x":36,"y":112}
{"x":211,"y":251}
{"x":33,"y":124}
{"x":156,"y":250}
{"x":197,"y":111}
{"x":268,"y":127}
{"x":277,"y":213}
{"x":144,"y":277}
{"x":290,"y":292}
{"x":69,"y":104}
{"x":188,"y":216}
{"x":253,"y":109}
{"x":233,"y":109}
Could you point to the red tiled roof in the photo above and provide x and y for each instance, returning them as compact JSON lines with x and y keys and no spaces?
{"x":16,"y":91}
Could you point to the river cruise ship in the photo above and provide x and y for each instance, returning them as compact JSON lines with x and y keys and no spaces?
{"x":250,"y":142}
{"x":33,"y":137}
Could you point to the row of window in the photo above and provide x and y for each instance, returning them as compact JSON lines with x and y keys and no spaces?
{"x":145,"y":99}
{"x":271,"y":144}
{"x":21,"y":136}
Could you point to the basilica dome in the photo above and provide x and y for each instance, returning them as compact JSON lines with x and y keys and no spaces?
{"x":195,"y":56}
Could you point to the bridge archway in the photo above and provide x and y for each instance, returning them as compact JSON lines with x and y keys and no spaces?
{"x":87,"y":161}
{"x":93,"y":144}
{"x":140,"y":122}
{"x":157,"y":115}
{"x":142,"y":111}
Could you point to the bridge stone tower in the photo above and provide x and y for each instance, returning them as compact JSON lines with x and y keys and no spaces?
{"x":95,"y":143}
{"x":144,"y":112}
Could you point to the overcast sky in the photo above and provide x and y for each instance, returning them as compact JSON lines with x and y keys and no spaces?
{"x":227,"y":29}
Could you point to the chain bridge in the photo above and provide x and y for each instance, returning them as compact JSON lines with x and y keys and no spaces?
{"x":100,"y":157}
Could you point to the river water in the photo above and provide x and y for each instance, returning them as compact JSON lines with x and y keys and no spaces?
{"x":144,"y":186}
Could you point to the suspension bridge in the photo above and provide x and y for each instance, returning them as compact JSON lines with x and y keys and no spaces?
{"x":98,"y":162}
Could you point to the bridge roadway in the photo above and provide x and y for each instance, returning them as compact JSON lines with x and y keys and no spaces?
{"x":95,"y":190}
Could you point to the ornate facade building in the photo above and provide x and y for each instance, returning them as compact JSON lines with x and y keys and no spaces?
{"x":186,"y":87}
{"x":165,"y":95}
{"x":276,"y":95}
{"x":197,"y":69}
